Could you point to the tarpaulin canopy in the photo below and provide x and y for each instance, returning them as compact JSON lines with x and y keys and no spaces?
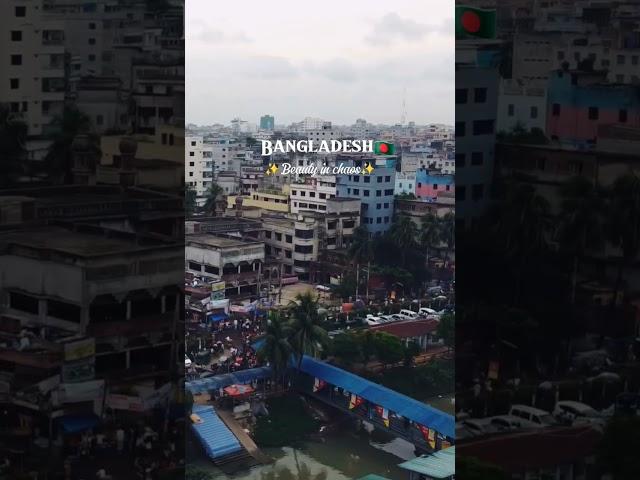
{"x":238,"y":390}
{"x":203,"y":385}
{"x":217,"y":317}
{"x":396,"y":402}
{"x":78,"y":423}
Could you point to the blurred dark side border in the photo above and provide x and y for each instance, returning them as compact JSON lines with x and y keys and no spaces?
{"x":91,"y":239}
{"x":548,"y":229}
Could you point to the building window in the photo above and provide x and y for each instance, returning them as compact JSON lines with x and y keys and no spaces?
{"x":482,"y":127}
{"x":356,"y":179}
{"x":365,"y":193}
{"x":593,"y":113}
{"x":379,"y":220}
{"x":634,"y":59}
{"x":192,"y":164}
{"x":99,"y":120}
{"x":92,"y":41}
{"x":460,"y":129}
{"x":622,"y":116}
{"x":477,"y":192}
{"x":555,"y":110}
{"x":387,"y":178}
{"x":21,"y":11}
{"x":92,"y":26}
{"x":386,"y":219}
{"x":461,"y":95}
{"x":92,"y":57}
{"x":278,"y":237}
{"x":367,"y":179}
{"x":386,"y":205}
{"x":477,"y":158}
{"x":16,"y":36}
{"x":16,"y":59}
{"x":14,"y":83}
{"x":461,"y":193}
{"x":620,"y":59}
{"x":378,"y":206}
{"x":303,"y":193}
{"x":356,"y":191}
{"x":534,"y":112}
{"x":192,"y":154}
{"x":460,"y":159}
{"x":288,"y":238}
{"x":560,"y":55}
{"x":480,"y":95}
{"x":511,"y":109}
{"x":378,"y":193}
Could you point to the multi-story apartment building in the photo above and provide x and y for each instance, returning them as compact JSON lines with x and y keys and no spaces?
{"x":297,"y":240}
{"x":267,"y":122}
{"x":325,"y":132}
{"x":313,"y":194}
{"x":521,"y":104}
{"x":375,"y":191}
{"x":476,"y":102}
{"x":32,"y":45}
{"x":405,"y":183}
{"x":235,"y":261}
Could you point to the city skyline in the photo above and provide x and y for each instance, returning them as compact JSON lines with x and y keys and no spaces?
{"x":363,"y":66}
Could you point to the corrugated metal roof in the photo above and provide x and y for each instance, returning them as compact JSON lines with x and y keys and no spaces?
{"x":441,"y":464}
{"x":383,"y":396}
{"x":203,"y":385}
{"x":214,"y":435}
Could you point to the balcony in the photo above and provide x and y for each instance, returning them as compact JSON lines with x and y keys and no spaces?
{"x":31,"y":358}
{"x":132,"y":327}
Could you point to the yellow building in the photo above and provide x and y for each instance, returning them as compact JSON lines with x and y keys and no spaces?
{"x":266,"y":199}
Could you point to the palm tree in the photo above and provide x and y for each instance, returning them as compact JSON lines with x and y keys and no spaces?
{"x":580,"y":222}
{"x":13,"y":135}
{"x":307,"y":335}
{"x":624,"y":222}
{"x":521,"y":225}
{"x":360,"y":250}
{"x":213,"y":193}
{"x":404,"y":233}
{"x":448,"y":231}
{"x":276,"y":348}
{"x":430,"y":233}
{"x":59,"y":159}
{"x":190,"y":200}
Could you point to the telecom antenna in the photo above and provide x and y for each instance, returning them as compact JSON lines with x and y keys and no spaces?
{"x":403,"y":119}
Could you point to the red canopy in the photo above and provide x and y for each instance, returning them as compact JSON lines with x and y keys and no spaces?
{"x":238,"y":390}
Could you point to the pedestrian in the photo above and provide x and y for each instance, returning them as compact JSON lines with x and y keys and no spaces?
{"x":120,"y":439}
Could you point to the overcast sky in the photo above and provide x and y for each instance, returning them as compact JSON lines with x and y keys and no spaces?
{"x":337,"y":60}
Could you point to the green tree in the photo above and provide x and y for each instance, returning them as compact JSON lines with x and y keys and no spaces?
{"x":13,"y":135}
{"x":581,"y":223}
{"x":411,"y":350}
{"x":448,"y":230}
{"x":469,"y":468}
{"x":389,"y":348}
{"x":346,"y":348}
{"x":190,"y":200}
{"x":430,"y":233}
{"x":59,"y":158}
{"x":404,"y":233}
{"x":447,"y":329}
{"x":307,"y":334}
{"x":623,"y":212}
{"x":617,"y":449}
{"x":213,"y":194}
{"x":276,"y":348}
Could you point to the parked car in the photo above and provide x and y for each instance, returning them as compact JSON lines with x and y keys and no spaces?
{"x":187,"y":361}
{"x":570,"y":412}
{"x":408,"y":314}
{"x":534,"y":415}
{"x":479,"y":426}
{"x":505,"y":423}
{"x":426,"y":312}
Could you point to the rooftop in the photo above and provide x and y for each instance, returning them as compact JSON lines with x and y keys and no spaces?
{"x":441,"y":464}
{"x":412,"y":328}
{"x":218,"y":242}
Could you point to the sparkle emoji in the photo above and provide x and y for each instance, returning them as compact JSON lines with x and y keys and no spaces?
{"x":272,"y":170}
{"x":368,"y":169}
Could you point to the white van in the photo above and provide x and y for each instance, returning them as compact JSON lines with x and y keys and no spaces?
{"x":532,"y":414}
{"x":427,"y":312}
{"x":408,"y":314}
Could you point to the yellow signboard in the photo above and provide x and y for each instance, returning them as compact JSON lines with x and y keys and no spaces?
{"x":81,"y":349}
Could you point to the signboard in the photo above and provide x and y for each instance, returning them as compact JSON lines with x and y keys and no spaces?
{"x":79,"y":371}
{"x":124,"y":402}
{"x":216,"y":287}
{"x":81,"y":392}
{"x":80,"y":349}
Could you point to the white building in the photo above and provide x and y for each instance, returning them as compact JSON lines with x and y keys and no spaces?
{"x":523,"y":104}
{"x":313,"y":194}
{"x":198,"y":166}
{"x":405,"y":183}
{"x":32,"y":44}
